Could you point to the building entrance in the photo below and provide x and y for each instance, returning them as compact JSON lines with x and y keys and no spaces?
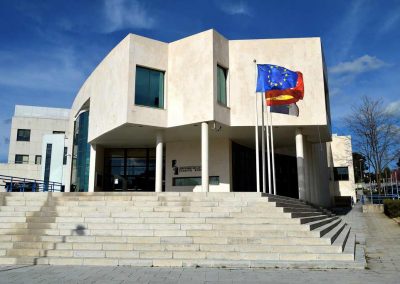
{"x":244,"y":172}
{"x":129,"y":169}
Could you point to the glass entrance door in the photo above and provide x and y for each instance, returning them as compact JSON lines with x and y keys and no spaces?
{"x":129,"y":169}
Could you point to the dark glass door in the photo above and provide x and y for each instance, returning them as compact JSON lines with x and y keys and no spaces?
{"x":129,"y":169}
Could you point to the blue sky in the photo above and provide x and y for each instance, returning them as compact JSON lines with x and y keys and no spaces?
{"x":48,"y":48}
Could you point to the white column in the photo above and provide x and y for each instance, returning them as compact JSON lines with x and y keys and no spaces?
{"x":204,"y":157}
{"x":263,"y":133}
{"x":300,"y":164}
{"x":159,"y":162}
{"x":307,"y":166}
{"x":256,"y":150}
{"x":92,"y":168}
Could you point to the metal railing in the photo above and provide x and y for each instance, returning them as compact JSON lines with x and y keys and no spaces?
{"x":18,"y":184}
{"x":390,"y":189}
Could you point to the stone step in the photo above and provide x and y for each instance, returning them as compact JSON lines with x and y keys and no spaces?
{"x":309,"y":219}
{"x":135,"y":250}
{"x":216,"y":263}
{"x":334,"y":232}
{"x":152,"y":228}
{"x":299,"y":210}
{"x":342,"y":238}
{"x":306,"y":214}
{"x":175,"y":251}
{"x":291,"y":205}
{"x":324,"y":229}
{"x":316,"y":224}
{"x":7,"y":222}
{"x":209,"y":236}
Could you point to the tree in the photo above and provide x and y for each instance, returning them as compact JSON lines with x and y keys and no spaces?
{"x":359,"y":166}
{"x":398,"y":163}
{"x":376,"y":134}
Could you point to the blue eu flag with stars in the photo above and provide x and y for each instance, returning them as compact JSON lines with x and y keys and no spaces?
{"x":273,"y":77}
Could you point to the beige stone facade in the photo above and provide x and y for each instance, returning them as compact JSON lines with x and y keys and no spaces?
{"x":192,"y":134}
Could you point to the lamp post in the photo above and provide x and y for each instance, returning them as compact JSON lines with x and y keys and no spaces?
{"x":361,"y":170}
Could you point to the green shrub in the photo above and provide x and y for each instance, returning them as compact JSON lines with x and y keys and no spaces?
{"x":392,"y":208}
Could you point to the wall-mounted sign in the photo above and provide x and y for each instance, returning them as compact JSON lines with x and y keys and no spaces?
{"x":189,"y":169}
{"x":186,"y":169}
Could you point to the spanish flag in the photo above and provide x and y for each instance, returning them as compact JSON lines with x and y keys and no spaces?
{"x":281,"y":85}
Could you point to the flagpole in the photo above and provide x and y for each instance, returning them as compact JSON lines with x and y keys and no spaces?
{"x":256,"y":134}
{"x":268,"y":151}
{"x":263,"y":146}
{"x":272,"y":151}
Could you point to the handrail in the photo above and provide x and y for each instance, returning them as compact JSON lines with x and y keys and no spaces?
{"x":28,"y":183}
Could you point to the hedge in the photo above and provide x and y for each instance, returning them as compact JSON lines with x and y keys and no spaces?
{"x":392,"y":208}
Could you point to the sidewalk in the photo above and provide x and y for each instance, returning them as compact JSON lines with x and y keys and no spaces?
{"x":379,"y":234}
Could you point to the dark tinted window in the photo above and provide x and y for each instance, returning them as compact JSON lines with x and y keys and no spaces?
{"x":193,"y":181}
{"x":23,"y":135}
{"x":65,"y":156}
{"x":221,"y":85}
{"x":21,"y":159}
{"x":341,"y":173}
{"x":38,"y":159}
{"x":149,"y":87}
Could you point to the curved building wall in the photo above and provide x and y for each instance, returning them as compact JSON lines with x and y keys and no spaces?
{"x":81,"y":153}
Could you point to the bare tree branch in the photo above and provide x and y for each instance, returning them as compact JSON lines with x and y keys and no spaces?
{"x":375,"y":133}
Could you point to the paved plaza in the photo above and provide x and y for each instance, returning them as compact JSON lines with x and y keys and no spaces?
{"x":378,"y":234}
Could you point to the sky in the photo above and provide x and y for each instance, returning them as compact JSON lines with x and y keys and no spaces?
{"x":49,"y":47}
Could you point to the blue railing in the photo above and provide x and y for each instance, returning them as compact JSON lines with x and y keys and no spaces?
{"x":377,"y":199}
{"x":18,"y":184}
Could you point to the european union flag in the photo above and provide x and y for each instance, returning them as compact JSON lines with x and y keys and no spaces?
{"x":273,"y":77}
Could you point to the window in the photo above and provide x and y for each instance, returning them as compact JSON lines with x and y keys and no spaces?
{"x":58,"y":132}
{"x":341,"y":173}
{"x":193,"y":181}
{"x":221,"y":85}
{"x":38,"y":159}
{"x":21,"y":159}
{"x":149,"y":89}
{"x":80,"y":157}
{"x":23,"y":135}
{"x":65,"y":156}
{"x":47,"y":163}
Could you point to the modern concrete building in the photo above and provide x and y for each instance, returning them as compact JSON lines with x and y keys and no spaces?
{"x":32,"y":129}
{"x":180,"y":116}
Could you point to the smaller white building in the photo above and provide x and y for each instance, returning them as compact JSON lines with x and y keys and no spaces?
{"x":342,"y":177}
{"x":32,"y":130}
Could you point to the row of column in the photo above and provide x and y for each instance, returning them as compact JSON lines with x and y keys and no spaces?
{"x":204,"y":159}
{"x":302,"y":167}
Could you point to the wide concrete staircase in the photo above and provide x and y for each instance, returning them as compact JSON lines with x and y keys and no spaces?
{"x":171,"y":229}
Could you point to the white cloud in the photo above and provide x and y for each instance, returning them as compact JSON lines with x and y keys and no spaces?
{"x":359,"y":65}
{"x":393,"y":108}
{"x":347,"y":29}
{"x":55,"y":70}
{"x":123,"y":14}
{"x":234,"y":8}
{"x":390,"y":21}
{"x":334,"y":92}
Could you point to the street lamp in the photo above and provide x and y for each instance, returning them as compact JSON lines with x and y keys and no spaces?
{"x":361,"y":171}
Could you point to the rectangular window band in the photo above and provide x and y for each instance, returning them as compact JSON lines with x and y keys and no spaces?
{"x":193,"y":181}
